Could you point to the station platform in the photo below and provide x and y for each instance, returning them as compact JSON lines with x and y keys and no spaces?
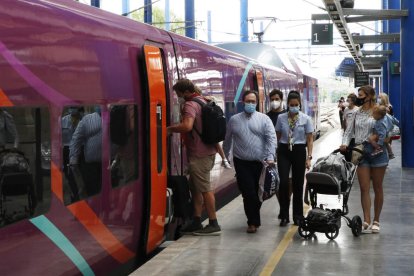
{"x":276,"y":250}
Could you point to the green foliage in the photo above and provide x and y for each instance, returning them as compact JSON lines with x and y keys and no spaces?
{"x":158,"y":20}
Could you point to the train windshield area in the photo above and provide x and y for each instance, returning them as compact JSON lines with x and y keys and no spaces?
{"x":124,"y":144}
{"x":82,"y":152}
{"x":24,"y":163}
{"x":82,"y":149}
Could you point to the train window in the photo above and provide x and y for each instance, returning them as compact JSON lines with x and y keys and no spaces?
{"x":24,"y":163}
{"x":82,"y":152}
{"x":124,"y":144}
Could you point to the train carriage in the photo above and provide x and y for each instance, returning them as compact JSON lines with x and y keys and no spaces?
{"x":56,"y":55}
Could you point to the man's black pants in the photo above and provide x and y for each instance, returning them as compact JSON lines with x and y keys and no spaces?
{"x":247,"y":175}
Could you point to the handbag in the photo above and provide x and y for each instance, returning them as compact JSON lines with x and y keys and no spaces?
{"x":268,"y":182}
{"x":356,"y":155}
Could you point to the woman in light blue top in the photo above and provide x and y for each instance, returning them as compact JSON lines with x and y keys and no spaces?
{"x":294,"y":132}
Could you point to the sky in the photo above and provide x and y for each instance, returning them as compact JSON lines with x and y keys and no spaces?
{"x":290,"y":33}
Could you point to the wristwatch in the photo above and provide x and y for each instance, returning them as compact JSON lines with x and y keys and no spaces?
{"x":310,"y":157}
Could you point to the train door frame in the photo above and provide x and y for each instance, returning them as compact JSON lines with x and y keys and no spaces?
{"x":156,"y":96}
{"x":259,"y":82}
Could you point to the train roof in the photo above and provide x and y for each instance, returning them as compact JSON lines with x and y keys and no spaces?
{"x":262,"y":53}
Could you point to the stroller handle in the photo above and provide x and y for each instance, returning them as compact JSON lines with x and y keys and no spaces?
{"x":349,"y":149}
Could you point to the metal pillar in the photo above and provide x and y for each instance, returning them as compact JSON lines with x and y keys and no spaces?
{"x":167,"y":15}
{"x":148,"y":12}
{"x":385,"y":66}
{"x":209,"y":27}
{"x":96,"y":3}
{"x":244,"y":26}
{"x":376,"y":84}
{"x":394,"y":80}
{"x":189,"y":19}
{"x":407,"y":84}
{"x":125,"y":7}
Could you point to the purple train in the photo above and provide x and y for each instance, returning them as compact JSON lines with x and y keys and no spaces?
{"x":63,"y":64}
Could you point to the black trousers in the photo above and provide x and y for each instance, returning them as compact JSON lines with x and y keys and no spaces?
{"x":247,"y":175}
{"x":285,"y":160}
{"x":92,"y":175}
{"x":69,"y":175}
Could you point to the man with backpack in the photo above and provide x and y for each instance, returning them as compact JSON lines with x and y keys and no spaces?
{"x":201,"y":155}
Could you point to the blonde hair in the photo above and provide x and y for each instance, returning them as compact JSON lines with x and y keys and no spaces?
{"x":384,"y":100}
{"x":380,"y":109}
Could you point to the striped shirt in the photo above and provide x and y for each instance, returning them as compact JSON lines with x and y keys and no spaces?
{"x":364,"y":125}
{"x":88,"y":133}
{"x":253,"y":137}
{"x":67,"y":129}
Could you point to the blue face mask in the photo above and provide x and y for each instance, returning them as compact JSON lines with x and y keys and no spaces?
{"x":73,"y":111}
{"x":294,"y":109}
{"x":249,"y":107}
{"x":98,"y":109}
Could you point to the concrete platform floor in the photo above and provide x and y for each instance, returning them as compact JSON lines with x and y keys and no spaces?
{"x":276,"y":250}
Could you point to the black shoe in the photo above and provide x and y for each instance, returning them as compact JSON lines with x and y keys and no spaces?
{"x":190,"y":228}
{"x":296,"y":221}
{"x":209,"y":230}
{"x":284,"y":222}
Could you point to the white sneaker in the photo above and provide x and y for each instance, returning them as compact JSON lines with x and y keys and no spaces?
{"x":226,"y":164}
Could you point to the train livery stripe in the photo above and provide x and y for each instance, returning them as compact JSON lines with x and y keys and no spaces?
{"x":57,"y":185}
{"x":242,"y":82}
{"x":4,"y":100}
{"x":100,"y":232}
{"x":43,"y":88}
{"x":57,"y":237}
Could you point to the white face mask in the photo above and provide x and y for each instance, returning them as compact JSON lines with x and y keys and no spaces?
{"x":275,"y":104}
{"x":346,"y":104}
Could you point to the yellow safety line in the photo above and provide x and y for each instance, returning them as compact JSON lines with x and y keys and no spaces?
{"x":278,"y":253}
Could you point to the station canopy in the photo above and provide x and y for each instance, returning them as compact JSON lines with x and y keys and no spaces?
{"x":262,"y":53}
{"x":346,"y":68}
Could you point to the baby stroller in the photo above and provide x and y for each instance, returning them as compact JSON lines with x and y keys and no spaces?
{"x":16,"y":186}
{"x":331,"y":175}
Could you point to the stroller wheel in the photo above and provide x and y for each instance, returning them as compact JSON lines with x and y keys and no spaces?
{"x":356,"y":226}
{"x":333,"y":233}
{"x":303,"y":230}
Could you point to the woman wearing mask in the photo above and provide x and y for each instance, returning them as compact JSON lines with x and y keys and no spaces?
{"x":294,"y":132}
{"x":370,"y":167}
{"x":276,"y":105}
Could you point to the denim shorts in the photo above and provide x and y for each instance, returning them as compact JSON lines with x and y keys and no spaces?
{"x":377,"y":161}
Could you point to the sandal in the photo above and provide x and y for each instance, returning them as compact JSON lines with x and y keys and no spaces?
{"x":366,"y":228}
{"x":375,"y":227}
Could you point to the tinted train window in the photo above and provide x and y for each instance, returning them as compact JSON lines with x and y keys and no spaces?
{"x":24,"y":163}
{"x":124,"y":139}
{"x":82,"y":152}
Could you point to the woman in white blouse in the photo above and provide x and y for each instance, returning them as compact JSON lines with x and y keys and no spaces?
{"x":361,"y":126}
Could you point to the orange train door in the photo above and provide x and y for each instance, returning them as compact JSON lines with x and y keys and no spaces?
{"x":157,"y":145}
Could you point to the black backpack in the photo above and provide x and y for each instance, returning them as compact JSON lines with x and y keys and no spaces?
{"x":213,"y":122}
{"x":118,"y":125}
